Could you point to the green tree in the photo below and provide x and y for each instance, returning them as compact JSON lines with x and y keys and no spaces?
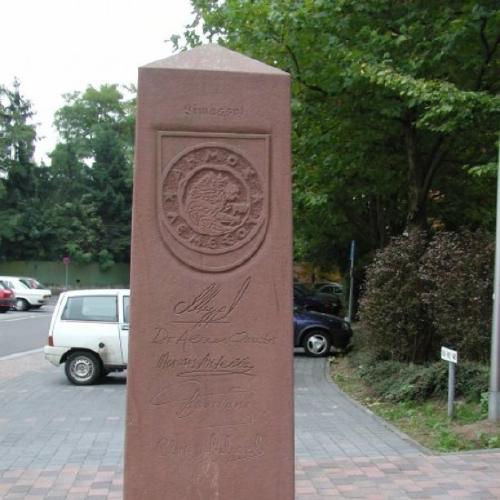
{"x":23,"y":184}
{"x":92,"y":172}
{"x":17,"y":132}
{"x":391,"y":102}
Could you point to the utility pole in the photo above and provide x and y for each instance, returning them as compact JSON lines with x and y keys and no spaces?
{"x":494,"y":395}
{"x":351,"y":280}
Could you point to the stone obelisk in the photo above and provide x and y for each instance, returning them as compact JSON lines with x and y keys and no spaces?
{"x":210,"y":379}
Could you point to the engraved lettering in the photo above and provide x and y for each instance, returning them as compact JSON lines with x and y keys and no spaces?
{"x":182,"y":229}
{"x":207,"y":365}
{"x":173,"y":447}
{"x":247,"y":338}
{"x":232,"y":160}
{"x":213,"y":110}
{"x":241,"y":233}
{"x":189,"y":398}
{"x":161,"y":336}
{"x":205,"y":308}
{"x":220,"y":446}
{"x":172,"y":216}
{"x":231,"y":448}
{"x":212,"y":157}
{"x":188,"y":338}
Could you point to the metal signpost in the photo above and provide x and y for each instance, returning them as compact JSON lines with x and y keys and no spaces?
{"x":351,"y":280}
{"x":494,"y":396}
{"x":452,"y":358}
{"x":66,"y":262}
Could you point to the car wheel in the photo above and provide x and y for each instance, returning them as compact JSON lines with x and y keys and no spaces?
{"x":4,"y":310}
{"x":317,"y":343}
{"x":83,"y":368}
{"x":22,"y":305}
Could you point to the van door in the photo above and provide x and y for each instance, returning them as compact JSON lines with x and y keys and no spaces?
{"x":124,"y":325}
{"x":91,"y":322}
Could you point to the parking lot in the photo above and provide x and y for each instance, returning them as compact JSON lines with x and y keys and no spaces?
{"x":60,"y":441}
{"x":22,"y":331}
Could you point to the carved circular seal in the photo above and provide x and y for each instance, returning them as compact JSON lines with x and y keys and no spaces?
{"x":213,"y":199}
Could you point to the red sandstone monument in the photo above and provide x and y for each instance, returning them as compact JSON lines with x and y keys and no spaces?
{"x":210,"y":379}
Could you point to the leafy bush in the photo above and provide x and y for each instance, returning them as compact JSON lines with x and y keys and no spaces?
{"x":459,"y":271}
{"x":422,"y":294}
{"x":397,"y":382}
{"x":391,"y":308}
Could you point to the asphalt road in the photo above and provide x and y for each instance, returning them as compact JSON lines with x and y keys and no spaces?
{"x":25,"y":331}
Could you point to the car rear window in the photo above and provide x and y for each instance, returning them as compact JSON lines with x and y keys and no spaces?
{"x":126,"y":308}
{"x":91,"y":308}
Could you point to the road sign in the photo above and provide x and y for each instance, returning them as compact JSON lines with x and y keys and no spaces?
{"x":66,"y":262}
{"x":452,"y":358}
{"x":449,"y":355}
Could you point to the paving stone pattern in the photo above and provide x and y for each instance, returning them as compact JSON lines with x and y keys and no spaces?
{"x":329,"y":425}
{"x":58,"y":441}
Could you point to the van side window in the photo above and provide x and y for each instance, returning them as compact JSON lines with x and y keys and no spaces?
{"x":126,"y":309}
{"x":100,"y":308}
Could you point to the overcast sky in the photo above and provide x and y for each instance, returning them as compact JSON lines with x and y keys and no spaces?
{"x":59,"y":46}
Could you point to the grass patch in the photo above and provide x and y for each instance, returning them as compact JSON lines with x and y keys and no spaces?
{"x":426,"y":421}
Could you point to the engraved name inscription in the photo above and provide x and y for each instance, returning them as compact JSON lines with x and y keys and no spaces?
{"x":208,"y":306}
{"x":207,"y":365}
{"x":213,"y":110}
{"x":190,"y":398}
{"x":222,"y":446}
{"x":189,"y":338}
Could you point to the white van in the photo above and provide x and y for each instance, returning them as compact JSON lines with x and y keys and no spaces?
{"x":30,"y":294}
{"x":89,"y":334}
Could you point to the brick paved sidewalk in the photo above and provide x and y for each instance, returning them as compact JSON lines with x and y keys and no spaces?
{"x":59,"y":441}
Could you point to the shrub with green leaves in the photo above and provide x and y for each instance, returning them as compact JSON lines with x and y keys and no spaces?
{"x":391,"y":307}
{"x":421,"y":294}
{"x":397,"y":382}
{"x":459,"y":271}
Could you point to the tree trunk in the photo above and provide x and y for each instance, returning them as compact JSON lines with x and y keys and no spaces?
{"x":417,"y":192}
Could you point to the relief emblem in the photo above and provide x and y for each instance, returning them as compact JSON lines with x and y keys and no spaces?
{"x":213,"y":202}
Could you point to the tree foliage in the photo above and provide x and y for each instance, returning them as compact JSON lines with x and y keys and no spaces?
{"x":92,"y":167}
{"x":80,"y":205}
{"x":421,"y":295}
{"x":393,"y":104}
{"x":22,"y":183}
{"x":458,"y":270}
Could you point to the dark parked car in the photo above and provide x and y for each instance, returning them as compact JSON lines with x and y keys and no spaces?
{"x":315,"y":301}
{"x":7,"y":298}
{"x":318,"y":332}
{"x":329,"y":287}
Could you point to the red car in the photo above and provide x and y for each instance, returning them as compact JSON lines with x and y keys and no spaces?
{"x":7,"y":298}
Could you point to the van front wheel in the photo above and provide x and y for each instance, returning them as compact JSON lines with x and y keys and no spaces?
{"x":83,"y":368}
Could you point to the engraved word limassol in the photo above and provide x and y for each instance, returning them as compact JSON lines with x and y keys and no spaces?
{"x":213,"y":200}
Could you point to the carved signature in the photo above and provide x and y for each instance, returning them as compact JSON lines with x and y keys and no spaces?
{"x":204,"y":308}
{"x":189,"y":338}
{"x":207,"y":365}
{"x":189,"y":398}
{"x":225,"y":447}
